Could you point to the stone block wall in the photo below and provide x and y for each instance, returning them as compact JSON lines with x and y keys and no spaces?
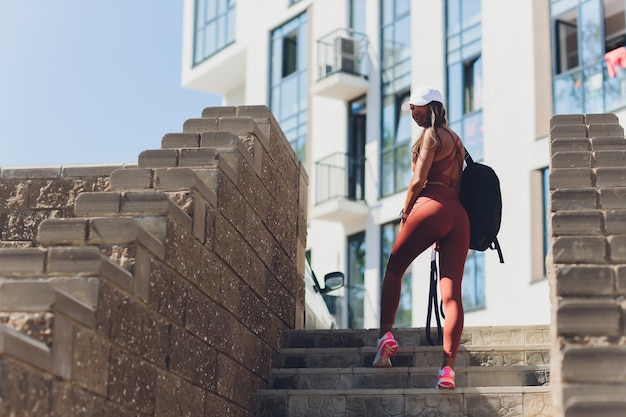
{"x":190,"y":319}
{"x":29,"y":195}
{"x":587,"y":265}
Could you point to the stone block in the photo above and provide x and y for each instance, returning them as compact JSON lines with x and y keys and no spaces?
{"x":97,"y":204}
{"x":180,"y":140}
{"x":91,"y":361}
{"x":617,"y":248}
{"x":570,"y":178}
{"x":158,"y":158}
{"x":199,"y":157}
{"x":205,"y":124}
{"x":238,"y":125}
{"x":574,"y":199}
{"x":84,"y":261}
{"x":28,"y":350}
{"x":585,"y":280}
{"x":219,"y":140}
{"x":219,"y":111}
{"x":570,"y":145}
{"x":568,"y":131}
{"x":611,"y":177}
{"x":110,"y":230}
{"x":571,"y":160}
{"x":22,"y":225}
{"x":585,"y":407}
{"x":605,"y":130}
{"x":579,"y":222}
{"x":567,"y":119}
{"x":62,"y":231}
{"x":207,"y":183}
{"x":51,"y":171}
{"x":132,"y":382}
{"x":199,"y":219}
{"x":25,"y":391}
{"x":257,"y":112}
{"x":599,"y":317}
{"x":74,"y":308}
{"x":15,"y":195}
{"x":601,"y":118}
{"x":58,"y":193}
{"x":132,"y":178}
{"x":26,"y":295}
{"x":612,"y":198}
{"x":114,"y":273}
{"x":63,"y":348}
{"x":621,"y":280}
{"x":144,"y":202}
{"x":579,"y":249}
{"x":153,"y":243}
{"x":176,"y":396}
{"x":90,"y":170}
{"x":193,"y":359}
{"x":594,"y":364}
{"x":173,"y":178}
{"x":612,"y":158}
{"x":617,"y":143}
{"x":16,"y":261}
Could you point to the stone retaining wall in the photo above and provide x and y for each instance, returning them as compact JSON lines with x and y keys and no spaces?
{"x":587,"y":265}
{"x":190,"y":322}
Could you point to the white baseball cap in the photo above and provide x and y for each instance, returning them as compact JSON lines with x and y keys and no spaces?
{"x":422,"y":96}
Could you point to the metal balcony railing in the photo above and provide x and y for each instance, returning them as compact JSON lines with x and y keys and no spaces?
{"x":342,"y":50}
{"x":340,"y":175}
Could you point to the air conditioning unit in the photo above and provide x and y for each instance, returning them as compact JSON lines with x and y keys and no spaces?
{"x":347,"y":54}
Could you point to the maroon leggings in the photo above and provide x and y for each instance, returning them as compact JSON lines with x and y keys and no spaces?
{"x":437,"y":216}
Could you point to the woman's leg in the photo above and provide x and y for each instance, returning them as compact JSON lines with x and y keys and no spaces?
{"x":423,"y":227}
{"x":452,"y":253}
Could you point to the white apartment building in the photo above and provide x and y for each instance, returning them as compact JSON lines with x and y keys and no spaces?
{"x":335,"y":72}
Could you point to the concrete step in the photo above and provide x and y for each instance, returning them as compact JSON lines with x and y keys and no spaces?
{"x":480,"y":335}
{"x":407,"y":377}
{"x":461,"y":402}
{"x":415,"y":356}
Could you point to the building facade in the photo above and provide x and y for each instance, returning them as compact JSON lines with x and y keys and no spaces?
{"x":335,"y":73}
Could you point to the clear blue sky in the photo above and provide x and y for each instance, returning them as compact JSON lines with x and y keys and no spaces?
{"x":90,"y":81}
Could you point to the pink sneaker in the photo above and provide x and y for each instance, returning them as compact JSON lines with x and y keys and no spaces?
{"x":446,"y":378}
{"x":387,"y":347}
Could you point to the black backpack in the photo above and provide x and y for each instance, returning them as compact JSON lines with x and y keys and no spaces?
{"x":480,"y":195}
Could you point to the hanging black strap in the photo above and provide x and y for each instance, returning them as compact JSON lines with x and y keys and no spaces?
{"x":496,"y":245}
{"x":433,"y":304}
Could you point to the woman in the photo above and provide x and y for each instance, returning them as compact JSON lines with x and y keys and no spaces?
{"x":432,"y":214}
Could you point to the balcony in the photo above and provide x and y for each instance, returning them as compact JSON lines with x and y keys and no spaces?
{"x":343,"y":65}
{"x":339,"y":192}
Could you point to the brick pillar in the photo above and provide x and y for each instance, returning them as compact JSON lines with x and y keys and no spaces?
{"x":587,"y":265}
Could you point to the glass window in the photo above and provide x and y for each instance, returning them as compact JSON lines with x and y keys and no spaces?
{"x":473,"y":287}
{"x":356,"y":281}
{"x":545,"y":188}
{"x":288,"y":81}
{"x":389,"y":231}
{"x":465,"y":73}
{"x":589,"y":38}
{"x":567,"y":42}
{"x":214,"y":28}
{"x":396,"y":80}
{"x":290,"y":54}
{"x":357,"y":15}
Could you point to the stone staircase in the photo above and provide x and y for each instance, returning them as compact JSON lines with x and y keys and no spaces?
{"x":501,"y":371}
